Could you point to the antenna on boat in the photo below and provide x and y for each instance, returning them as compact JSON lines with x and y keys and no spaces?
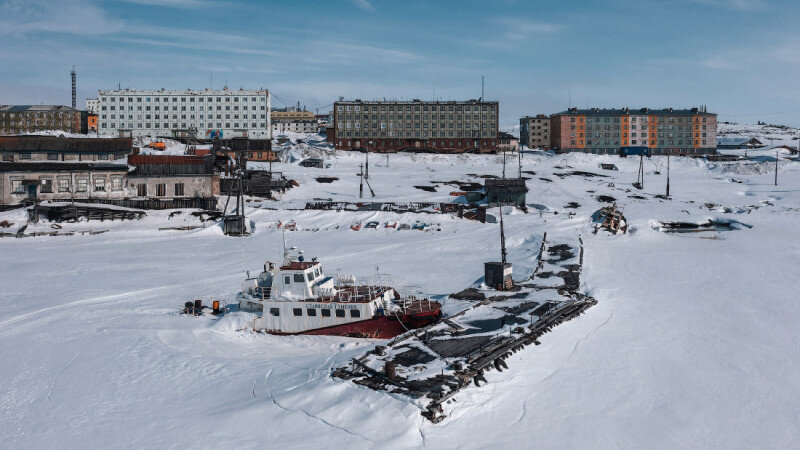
{"x":502,"y":236}
{"x":285,"y":251}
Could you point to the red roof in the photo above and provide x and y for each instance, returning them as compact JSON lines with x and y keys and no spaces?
{"x":136,"y":160}
{"x":297,"y":265}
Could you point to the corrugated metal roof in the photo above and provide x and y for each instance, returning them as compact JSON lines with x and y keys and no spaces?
{"x":60,"y":167}
{"x":58,"y":144}
{"x":137,"y":160}
{"x":631,"y":111}
{"x":22,"y":108}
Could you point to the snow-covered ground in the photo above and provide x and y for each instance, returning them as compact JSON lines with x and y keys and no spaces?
{"x":694,"y":341}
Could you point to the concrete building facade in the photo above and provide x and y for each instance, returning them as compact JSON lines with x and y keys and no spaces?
{"x":661,"y":131}
{"x":534,"y":131}
{"x":169,"y":177}
{"x":294,"y":120}
{"x":436,"y":126}
{"x":37,"y":181}
{"x":207,"y":113}
{"x":92,"y":105}
{"x":18,"y":119}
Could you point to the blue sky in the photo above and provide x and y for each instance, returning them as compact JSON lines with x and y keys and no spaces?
{"x":739,"y":57}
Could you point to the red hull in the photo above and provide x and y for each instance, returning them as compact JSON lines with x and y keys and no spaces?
{"x":384,"y":327}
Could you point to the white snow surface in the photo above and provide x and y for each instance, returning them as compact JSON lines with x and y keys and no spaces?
{"x":693,"y":343}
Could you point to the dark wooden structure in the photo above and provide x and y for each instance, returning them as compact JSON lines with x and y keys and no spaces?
{"x":508,"y":191}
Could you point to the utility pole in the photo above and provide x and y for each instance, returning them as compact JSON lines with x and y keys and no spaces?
{"x":776,"y":167}
{"x":519,"y":155}
{"x":667,"y":175}
{"x":504,"y":163}
{"x":366,"y":166}
{"x":361,"y":181}
{"x":502,"y":236}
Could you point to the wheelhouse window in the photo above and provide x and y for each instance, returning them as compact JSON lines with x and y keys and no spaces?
{"x":298,"y":278}
{"x":287,"y":279}
{"x":311,"y":312}
{"x":275,"y":312}
{"x":326,"y":313}
{"x":339,"y":313}
{"x":297,"y":311}
{"x":355,"y":313}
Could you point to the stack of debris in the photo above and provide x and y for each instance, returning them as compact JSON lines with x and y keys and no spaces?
{"x":610,"y":218}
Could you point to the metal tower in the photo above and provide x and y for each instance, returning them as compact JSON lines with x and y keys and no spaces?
{"x":73,"y":87}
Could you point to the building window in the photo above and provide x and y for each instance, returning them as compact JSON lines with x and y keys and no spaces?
{"x":116,"y":184}
{"x":63,"y":185}
{"x":52,"y":156}
{"x":83,"y":185}
{"x":339,"y":313}
{"x":46,"y":186}
{"x":25,"y":155}
{"x":16,"y":187}
{"x":141,"y":190}
{"x":99,"y":184}
{"x":179,"y":189}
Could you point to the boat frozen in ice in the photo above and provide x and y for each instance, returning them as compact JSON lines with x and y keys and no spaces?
{"x":298,"y":298}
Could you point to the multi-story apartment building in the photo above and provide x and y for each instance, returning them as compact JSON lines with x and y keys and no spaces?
{"x":662,"y":131}
{"x":294,"y":120}
{"x":439,"y":126}
{"x":534,"y":131}
{"x":92,"y":105}
{"x":17,"y":119}
{"x":204,"y":113}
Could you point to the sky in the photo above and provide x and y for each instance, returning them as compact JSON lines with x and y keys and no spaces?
{"x":741,"y":58}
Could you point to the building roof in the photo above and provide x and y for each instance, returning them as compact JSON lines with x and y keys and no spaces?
{"x":34,"y":143}
{"x":473,"y":101}
{"x":61,"y":167}
{"x":137,"y":160}
{"x":36,"y":108}
{"x":512,"y":185}
{"x":630,"y":111}
{"x":206,"y":91}
{"x":738,"y":140}
{"x":503,"y":135}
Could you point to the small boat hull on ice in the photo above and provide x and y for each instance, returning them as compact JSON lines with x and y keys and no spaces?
{"x":297,"y":298}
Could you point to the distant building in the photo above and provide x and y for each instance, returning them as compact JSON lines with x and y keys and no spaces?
{"x":91,"y":123}
{"x":737,"y":142}
{"x":168,"y":176}
{"x":37,"y":181}
{"x":18,"y":119}
{"x":52,"y":149}
{"x":609,"y":131}
{"x":92,"y":105}
{"x":507,"y":142}
{"x":505,"y":191}
{"x":534,"y":131}
{"x":294,"y":120}
{"x":207,"y":113}
{"x":313,"y":162}
{"x":435,"y":126}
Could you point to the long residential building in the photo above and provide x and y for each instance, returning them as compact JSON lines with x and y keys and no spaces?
{"x":534,"y":131}
{"x":436,"y":126}
{"x":19,"y":119}
{"x":49,"y":148}
{"x":661,"y":131}
{"x":206,"y":113}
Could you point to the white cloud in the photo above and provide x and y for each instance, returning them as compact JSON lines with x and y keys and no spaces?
{"x":363,"y":4}
{"x":520,"y":29}
{"x":69,"y":16}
